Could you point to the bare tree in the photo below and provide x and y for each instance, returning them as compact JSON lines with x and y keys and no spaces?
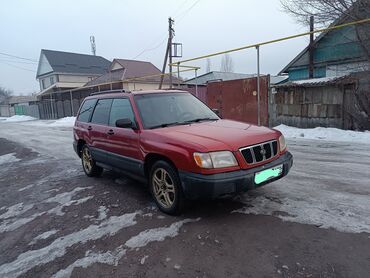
{"x":208,"y":65}
{"x":227,"y":64}
{"x":326,"y":12}
{"x":4,"y":94}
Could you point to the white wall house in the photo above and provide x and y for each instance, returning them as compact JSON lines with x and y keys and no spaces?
{"x":58,"y":71}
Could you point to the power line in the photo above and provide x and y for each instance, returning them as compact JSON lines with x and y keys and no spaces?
{"x":179,"y":8}
{"x":18,"y":62}
{"x":187,"y":11}
{"x":150,"y":49}
{"x":164,"y":34}
{"x":14,"y":66}
{"x":18,"y":57}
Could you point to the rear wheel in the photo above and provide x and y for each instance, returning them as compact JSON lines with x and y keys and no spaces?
{"x":166,"y":188}
{"x":88,"y":163}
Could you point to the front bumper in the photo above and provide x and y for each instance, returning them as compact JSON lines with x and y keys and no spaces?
{"x":198,"y":186}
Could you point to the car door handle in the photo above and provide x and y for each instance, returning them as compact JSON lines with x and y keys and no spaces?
{"x":89,"y":127}
{"x":110,"y":132}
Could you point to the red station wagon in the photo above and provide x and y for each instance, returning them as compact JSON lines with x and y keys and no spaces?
{"x":175,"y":143}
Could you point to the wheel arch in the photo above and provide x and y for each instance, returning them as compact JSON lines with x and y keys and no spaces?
{"x":151,"y":158}
{"x":80,"y":144}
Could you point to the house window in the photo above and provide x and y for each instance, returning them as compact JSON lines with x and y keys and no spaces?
{"x":51,"y":80}
{"x":43,"y":83}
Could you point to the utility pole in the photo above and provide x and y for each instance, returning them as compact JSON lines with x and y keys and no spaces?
{"x":310,"y":50}
{"x":171,"y":34}
{"x":93,"y":45}
{"x":258,"y":87}
{"x":164,"y":63}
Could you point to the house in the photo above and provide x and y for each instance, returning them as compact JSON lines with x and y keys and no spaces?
{"x":119,"y":74}
{"x":58,"y":70}
{"x":335,"y":53}
{"x":336,"y":93}
{"x":135,"y":75}
{"x":213,"y":76}
{"x":20,"y":105}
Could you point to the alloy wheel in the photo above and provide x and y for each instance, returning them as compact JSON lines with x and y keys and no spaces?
{"x":163,"y":188}
{"x":87,"y":160}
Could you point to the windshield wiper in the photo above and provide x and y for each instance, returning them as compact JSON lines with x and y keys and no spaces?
{"x":166,"y":125}
{"x":197,"y":120}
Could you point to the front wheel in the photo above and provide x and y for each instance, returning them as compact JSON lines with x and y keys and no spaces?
{"x":165,"y":187}
{"x":88,"y":163}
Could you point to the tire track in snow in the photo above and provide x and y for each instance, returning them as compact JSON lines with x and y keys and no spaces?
{"x":138,"y":241}
{"x":63,"y":199}
{"x":30,"y":259}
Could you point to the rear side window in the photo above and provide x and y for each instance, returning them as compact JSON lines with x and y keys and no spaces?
{"x":121,"y":109}
{"x":86,"y":109}
{"x":101,"y":112}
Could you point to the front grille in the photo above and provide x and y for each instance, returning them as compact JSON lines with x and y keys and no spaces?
{"x":260,"y":152}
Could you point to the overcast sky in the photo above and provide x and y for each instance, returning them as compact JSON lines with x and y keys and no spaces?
{"x":123,"y":29}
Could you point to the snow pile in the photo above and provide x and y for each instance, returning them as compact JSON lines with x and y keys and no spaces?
{"x":67,"y":121}
{"x":63,"y":122}
{"x":325,"y":133}
{"x":17,"y":118}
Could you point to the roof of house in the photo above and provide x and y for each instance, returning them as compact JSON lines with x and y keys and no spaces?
{"x":338,"y":21}
{"x":316,"y":82}
{"x":21,"y":99}
{"x":131,"y":69}
{"x":217,"y":76}
{"x":225,"y":76}
{"x":67,"y":62}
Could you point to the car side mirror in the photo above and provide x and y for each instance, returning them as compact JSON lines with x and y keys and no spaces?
{"x":216,"y":111}
{"x":125,"y":123}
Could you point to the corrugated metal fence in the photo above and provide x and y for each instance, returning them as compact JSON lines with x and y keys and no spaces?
{"x":237,"y":99}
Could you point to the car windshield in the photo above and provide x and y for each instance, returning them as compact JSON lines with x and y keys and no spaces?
{"x":161,"y":110}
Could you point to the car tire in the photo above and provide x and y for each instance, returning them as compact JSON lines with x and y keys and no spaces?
{"x":165,"y":187}
{"x":88,"y":163}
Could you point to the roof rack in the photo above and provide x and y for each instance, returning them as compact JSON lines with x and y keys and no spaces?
{"x":108,"y":92}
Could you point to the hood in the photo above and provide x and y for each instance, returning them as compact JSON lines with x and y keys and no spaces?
{"x":220,"y":135}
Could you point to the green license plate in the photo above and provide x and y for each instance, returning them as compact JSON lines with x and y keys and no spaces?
{"x":268,"y":174}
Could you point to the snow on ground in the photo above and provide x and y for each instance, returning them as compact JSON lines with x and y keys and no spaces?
{"x":63,"y":200}
{"x":137,"y":241}
{"x":15,"y":210}
{"x":326,"y":210}
{"x":157,"y":234}
{"x":102,"y":213}
{"x":110,"y":258}
{"x":328,"y":186}
{"x":55,"y":142}
{"x":17,"y":118}
{"x":8,"y":158}
{"x":43,"y":236}
{"x":63,"y":122}
{"x":325,"y":133}
{"x":58,"y":247}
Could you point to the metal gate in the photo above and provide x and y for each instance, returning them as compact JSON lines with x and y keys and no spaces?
{"x":237,"y":99}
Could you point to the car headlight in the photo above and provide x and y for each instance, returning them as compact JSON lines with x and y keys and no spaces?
{"x":215,"y":159}
{"x":282,"y":143}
